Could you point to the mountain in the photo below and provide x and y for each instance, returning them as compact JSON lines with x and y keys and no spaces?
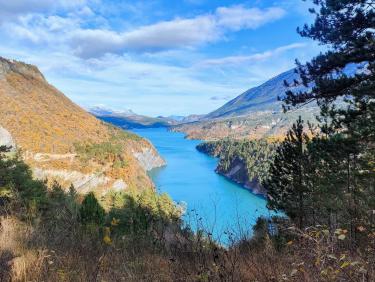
{"x":128,"y":119}
{"x":175,"y":117}
{"x":257,"y":99}
{"x":264,"y":97}
{"x":103,"y":111}
{"x":192,"y":118}
{"x":61,"y":141}
{"x":186,"y":119}
{"x":254,"y":114}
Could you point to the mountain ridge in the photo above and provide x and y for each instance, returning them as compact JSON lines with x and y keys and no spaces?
{"x":61,"y":141}
{"x":254,"y":114}
{"x":259,"y":98}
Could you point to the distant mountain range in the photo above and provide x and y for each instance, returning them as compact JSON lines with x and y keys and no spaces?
{"x":103,"y":111}
{"x":254,"y":114}
{"x":127,"y":119}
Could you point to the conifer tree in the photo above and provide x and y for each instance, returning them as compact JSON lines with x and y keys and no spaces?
{"x":342,"y":82}
{"x":91,"y":211}
{"x":288,"y":187}
{"x":346,"y":70}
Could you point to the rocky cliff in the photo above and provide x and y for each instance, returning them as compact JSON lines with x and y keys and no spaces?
{"x":6,"y":139}
{"x":237,"y":171}
{"x":61,"y":141}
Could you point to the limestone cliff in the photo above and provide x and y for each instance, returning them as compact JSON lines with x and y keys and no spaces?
{"x":245,"y":162}
{"x":238,"y":172}
{"x":6,"y":139}
{"x":61,"y":141}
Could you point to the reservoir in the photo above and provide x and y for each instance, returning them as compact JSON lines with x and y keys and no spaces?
{"x":213,"y":203}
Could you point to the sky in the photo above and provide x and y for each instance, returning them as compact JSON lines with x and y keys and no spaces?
{"x":156,"y":57}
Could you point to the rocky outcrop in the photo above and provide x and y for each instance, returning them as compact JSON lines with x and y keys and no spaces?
{"x":6,"y":139}
{"x":149,"y":159}
{"x":83,"y":183}
{"x":26,"y":70}
{"x":238,"y":173}
{"x":234,"y":167}
{"x":119,"y":185}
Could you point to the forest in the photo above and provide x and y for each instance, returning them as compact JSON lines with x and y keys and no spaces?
{"x":255,"y":156}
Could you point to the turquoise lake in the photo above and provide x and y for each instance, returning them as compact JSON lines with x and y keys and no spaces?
{"x":214,"y":203}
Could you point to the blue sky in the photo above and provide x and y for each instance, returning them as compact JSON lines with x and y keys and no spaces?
{"x":156,"y":57}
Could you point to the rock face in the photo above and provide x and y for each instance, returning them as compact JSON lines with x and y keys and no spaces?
{"x":60,"y":140}
{"x":234,"y":166}
{"x":149,"y":159}
{"x":6,"y":139}
{"x":82,"y":182}
{"x":237,"y":172}
{"x":9,"y":66}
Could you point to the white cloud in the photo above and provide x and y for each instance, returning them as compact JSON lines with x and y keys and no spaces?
{"x":177,"y":33}
{"x":235,"y":60}
{"x":220,"y":98}
{"x":164,"y":35}
{"x":147,"y":85}
{"x":238,"y":17}
{"x":97,"y":60}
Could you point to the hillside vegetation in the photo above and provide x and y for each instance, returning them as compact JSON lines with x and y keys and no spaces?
{"x":243,"y":161}
{"x":48,"y":234}
{"x":60,"y":139}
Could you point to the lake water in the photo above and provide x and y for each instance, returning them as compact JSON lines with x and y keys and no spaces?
{"x":214,"y":203}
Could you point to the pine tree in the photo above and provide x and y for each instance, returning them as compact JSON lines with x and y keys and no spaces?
{"x":288,"y":187}
{"x":346,"y":27}
{"x":342,"y":82}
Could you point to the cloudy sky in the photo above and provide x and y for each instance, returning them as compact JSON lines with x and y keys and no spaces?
{"x":156,"y":57}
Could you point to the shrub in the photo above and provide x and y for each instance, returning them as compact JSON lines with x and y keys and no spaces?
{"x":91,"y":212}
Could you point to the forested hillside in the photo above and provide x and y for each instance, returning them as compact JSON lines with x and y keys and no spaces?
{"x":243,"y":161}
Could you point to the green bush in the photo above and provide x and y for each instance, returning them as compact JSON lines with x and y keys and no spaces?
{"x":100,"y":152}
{"x":16,"y":182}
{"x":142,"y":213}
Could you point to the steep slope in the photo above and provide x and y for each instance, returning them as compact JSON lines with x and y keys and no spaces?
{"x":62,"y":141}
{"x":255,"y":114}
{"x":261,"y":98}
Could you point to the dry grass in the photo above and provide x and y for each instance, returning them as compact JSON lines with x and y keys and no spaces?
{"x":44,"y":254}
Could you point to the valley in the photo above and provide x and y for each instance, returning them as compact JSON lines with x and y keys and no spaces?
{"x":212,"y":202}
{"x":125,"y":154}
